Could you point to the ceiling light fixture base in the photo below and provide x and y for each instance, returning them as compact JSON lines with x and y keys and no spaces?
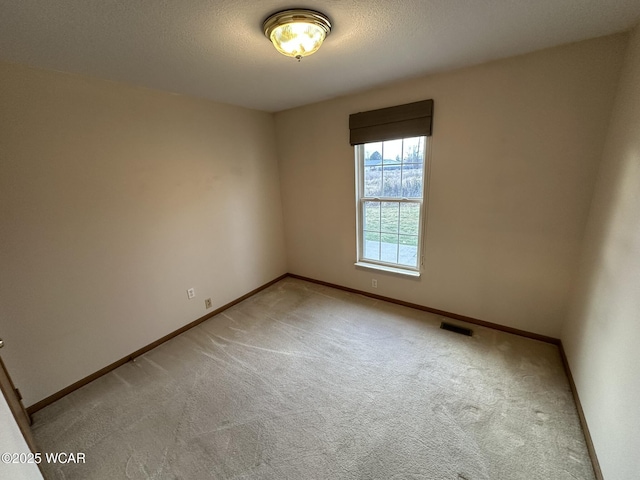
{"x":297,"y":32}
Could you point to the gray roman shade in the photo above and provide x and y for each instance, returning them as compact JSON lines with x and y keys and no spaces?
{"x":409,"y":120}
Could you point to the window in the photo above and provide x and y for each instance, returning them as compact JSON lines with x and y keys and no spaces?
{"x":390,"y":190}
{"x":390,"y":145}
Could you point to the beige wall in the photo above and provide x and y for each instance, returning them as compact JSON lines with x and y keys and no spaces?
{"x":602,"y":335}
{"x":113,"y":201}
{"x":515,"y":151}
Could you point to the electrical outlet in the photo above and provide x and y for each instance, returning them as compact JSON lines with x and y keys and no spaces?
{"x":207,"y":303}
{"x":191,"y":293}
{"x":374,"y":283}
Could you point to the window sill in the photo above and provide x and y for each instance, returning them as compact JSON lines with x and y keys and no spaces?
{"x":384,"y":268}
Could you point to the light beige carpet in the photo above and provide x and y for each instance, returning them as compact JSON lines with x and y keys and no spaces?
{"x":306,"y":382}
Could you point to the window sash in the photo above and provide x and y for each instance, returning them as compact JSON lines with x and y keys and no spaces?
{"x":361,"y":235}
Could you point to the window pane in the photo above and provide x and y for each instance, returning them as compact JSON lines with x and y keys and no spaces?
{"x":392,"y":152}
{"x":413,"y":151}
{"x":408,"y":250}
{"x":389,"y":248}
{"x":409,"y":240}
{"x":409,"y":218}
{"x":373,"y":153}
{"x":390,"y":217}
{"x":372,"y":181}
{"x":371,"y":216}
{"x":391,"y":181}
{"x":371,"y":244}
{"x":412,"y":180}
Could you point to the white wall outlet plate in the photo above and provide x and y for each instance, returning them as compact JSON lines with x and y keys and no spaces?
{"x":191,"y":293}
{"x":374,"y":283}
{"x":207,"y":303}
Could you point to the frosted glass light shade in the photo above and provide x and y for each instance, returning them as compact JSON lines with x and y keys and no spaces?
{"x":297,"y":33}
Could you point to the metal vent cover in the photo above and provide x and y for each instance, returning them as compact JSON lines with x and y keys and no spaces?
{"x":457,"y":329}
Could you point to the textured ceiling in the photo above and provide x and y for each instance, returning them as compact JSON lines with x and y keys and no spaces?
{"x":215,"y":48}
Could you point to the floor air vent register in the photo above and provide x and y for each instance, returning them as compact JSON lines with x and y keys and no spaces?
{"x":455,"y":328}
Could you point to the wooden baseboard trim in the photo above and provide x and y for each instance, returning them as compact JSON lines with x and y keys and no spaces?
{"x":464,"y":318}
{"x":74,"y":386}
{"x":543,"y":338}
{"x":583,"y":420}
{"x":89,"y":378}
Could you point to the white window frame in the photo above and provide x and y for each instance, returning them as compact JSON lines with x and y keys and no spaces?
{"x":361,"y":199}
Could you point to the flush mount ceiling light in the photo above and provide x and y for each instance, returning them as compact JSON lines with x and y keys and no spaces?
{"x":297,"y":32}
